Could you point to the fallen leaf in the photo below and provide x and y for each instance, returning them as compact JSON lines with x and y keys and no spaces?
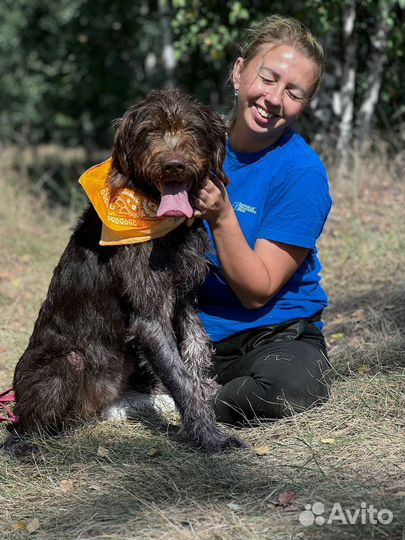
{"x":154,"y":452}
{"x":66,"y":485}
{"x":3,"y":349}
{"x":19,"y":525}
{"x":233,"y":506}
{"x":286,"y":497}
{"x":359,"y":314}
{"x":33,"y":525}
{"x":95,"y":487}
{"x":328,"y":440}
{"x":337,"y":337}
{"x":103,"y":452}
{"x":364,"y":370}
{"x":262,"y":450}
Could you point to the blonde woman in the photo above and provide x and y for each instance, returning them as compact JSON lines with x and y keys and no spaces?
{"x":262,"y":302}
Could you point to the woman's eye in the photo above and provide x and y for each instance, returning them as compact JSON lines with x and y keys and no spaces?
{"x":295,"y":97}
{"x":267,"y":81}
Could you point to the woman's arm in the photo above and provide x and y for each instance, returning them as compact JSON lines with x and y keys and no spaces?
{"x":254,"y":275}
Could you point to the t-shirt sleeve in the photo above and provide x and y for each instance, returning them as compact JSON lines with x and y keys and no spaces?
{"x":296,"y":211}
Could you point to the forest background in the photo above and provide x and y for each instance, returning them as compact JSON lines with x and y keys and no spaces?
{"x":68,"y":69}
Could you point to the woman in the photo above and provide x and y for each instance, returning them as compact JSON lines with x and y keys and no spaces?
{"x":262,"y":301}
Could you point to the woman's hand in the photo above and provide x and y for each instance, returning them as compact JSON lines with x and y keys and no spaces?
{"x":254,"y":275}
{"x":213,"y":203}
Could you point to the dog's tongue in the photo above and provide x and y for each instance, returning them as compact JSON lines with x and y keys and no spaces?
{"x":174,"y":200}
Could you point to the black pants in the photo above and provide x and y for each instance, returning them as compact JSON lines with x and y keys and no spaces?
{"x":271,"y":372}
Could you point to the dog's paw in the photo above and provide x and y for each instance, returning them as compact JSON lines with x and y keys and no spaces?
{"x":19,"y":447}
{"x":223,"y":442}
{"x":234,"y":442}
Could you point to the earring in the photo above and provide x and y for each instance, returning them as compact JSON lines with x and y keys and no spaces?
{"x":236,"y":92}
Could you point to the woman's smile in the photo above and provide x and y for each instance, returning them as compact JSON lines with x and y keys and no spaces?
{"x":272,"y":87}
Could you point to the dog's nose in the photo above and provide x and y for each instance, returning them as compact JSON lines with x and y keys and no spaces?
{"x":174,"y":166}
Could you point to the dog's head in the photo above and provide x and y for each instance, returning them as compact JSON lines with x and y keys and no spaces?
{"x":167,"y":146}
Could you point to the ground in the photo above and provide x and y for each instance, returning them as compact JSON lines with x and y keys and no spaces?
{"x":139,"y":480}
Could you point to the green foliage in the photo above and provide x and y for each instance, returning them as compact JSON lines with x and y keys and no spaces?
{"x":69,"y":67}
{"x":206,"y":34}
{"x":211,"y":28}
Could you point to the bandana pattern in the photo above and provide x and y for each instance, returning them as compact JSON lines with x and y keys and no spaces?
{"x":128,"y":219}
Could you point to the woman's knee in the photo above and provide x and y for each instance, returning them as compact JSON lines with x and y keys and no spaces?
{"x":300,"y":383}
{"x":281,"y":383}
{"x":298,"y":399}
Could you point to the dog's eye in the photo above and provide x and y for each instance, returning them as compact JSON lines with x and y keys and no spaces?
{"x":152,"y":134}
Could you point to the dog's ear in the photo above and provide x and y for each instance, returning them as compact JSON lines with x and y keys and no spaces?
{"x":121,"y":160}
{"x":218,"y":132}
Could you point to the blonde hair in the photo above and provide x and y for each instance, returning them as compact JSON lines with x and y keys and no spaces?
{"x":278,"y":30}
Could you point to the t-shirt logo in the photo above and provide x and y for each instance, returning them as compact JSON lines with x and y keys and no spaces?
{"x":243,"y":208}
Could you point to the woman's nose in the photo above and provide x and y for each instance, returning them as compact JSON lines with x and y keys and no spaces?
{"x":274,"y":95}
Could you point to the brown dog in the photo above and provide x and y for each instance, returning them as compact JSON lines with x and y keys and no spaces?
{"x":121,"y":314}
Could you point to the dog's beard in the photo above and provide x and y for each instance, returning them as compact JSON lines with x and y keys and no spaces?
{"x":174,"y":200}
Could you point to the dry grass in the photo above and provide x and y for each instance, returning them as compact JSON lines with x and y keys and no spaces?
{"x":150,"y":484}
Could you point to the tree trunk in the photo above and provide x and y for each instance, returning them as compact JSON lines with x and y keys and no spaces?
{"x":348,"y":83}
{"x":378,"y":57}
{"x":168,"y":56}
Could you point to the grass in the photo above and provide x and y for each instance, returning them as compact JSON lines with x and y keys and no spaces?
{"x":136,"y":481}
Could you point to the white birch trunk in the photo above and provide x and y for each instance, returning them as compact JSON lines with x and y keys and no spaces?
{"x":348,"y":81}
{"x":168,"y":56}
{"x":378,"y":57}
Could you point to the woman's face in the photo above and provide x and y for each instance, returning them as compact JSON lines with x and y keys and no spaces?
{"x":274,"y":87}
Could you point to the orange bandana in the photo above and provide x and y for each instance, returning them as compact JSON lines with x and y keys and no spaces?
{"x":131,"y":217}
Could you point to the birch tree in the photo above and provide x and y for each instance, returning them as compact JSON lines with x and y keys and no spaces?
{"x":378,"y":58}
{"x":348,"y":86}
{"x":168,"y":55}
{"x":69,"y":67}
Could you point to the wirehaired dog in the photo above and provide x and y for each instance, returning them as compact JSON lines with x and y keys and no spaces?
{"x":125,"y":315}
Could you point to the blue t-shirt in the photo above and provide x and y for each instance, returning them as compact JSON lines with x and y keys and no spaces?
{"x":282,"y":194}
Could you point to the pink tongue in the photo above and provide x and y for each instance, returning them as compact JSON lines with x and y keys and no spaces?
{"x":174,"y":201}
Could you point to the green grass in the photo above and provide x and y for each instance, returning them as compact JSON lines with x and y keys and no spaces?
{"x":151,"y":484}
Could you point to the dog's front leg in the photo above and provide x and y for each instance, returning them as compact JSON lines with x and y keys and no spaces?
{"x":195,"y":347}
{"x":160,"y":345}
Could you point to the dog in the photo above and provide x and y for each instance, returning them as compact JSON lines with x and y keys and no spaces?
{"x":123,"y":314}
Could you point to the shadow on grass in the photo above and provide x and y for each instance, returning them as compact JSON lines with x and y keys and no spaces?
{"x":147,"y":484}
{"x":155,"y":488}
{"x":365,"y":331}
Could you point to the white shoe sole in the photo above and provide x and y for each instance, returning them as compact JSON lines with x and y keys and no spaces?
{"x":134,"y":404}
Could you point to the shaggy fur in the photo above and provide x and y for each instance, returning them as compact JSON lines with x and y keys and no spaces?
{"x":120,"y":317}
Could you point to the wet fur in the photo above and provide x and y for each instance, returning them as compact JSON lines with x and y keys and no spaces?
{"x":124,"y":317}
